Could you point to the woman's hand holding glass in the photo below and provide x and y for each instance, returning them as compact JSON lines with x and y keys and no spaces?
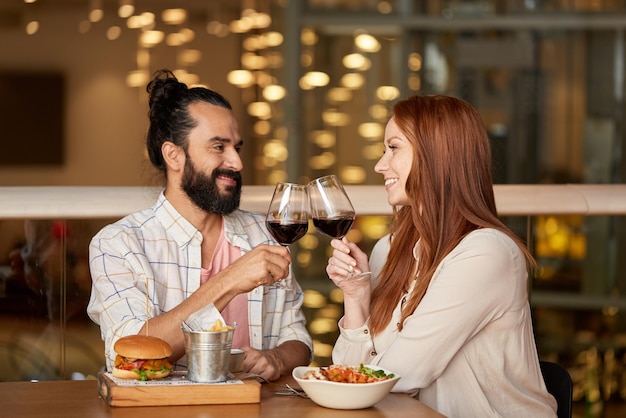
{"x":348,"y":262}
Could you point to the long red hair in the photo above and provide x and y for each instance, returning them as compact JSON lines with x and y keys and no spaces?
{"x":450,"y":188}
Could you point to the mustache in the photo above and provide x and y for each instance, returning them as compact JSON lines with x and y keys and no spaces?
{"x":236,"y":175}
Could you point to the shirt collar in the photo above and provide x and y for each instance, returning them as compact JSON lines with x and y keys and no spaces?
{"x":184,"y":232}
{"x":177,"y":226}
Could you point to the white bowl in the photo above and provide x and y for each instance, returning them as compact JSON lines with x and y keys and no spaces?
{"x":344,"y":395}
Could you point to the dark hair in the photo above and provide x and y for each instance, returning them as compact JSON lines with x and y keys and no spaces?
{"x":451,"y":192}
{"x":169,"y":112}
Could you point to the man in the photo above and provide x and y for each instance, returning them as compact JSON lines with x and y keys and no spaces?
{"x":155,"y":267}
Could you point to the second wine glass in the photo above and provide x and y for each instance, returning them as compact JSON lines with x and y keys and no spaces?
{"x":331,"y":209}
{"x":287,"y":217}
{"x":332,"y":212}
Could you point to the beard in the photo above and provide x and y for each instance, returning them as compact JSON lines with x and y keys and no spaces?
{"x":203,"y":190}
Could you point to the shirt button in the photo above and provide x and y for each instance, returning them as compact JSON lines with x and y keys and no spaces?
{"x":373,"y":353}
{"x":366,"y":331}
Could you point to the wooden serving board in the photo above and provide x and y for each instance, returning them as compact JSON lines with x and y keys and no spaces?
{"x":176,"y":390}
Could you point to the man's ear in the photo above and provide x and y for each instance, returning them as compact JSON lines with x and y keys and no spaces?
{"x":173,"y":155}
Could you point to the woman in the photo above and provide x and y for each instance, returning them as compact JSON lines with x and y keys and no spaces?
{"x":448,"y":310}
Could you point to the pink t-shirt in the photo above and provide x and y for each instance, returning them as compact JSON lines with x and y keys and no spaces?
{"x":237,"y":310}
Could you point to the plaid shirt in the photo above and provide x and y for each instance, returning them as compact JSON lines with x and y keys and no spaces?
{"x":149,"y":262}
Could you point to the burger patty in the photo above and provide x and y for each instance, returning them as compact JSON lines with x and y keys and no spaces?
{"x":124,"y":363}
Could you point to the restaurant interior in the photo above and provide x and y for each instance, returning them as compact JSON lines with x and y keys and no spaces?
{"x":312,"y":83}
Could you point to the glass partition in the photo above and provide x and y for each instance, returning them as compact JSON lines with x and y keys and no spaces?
{"x":44,"y":291}
{"x":576,"y":296}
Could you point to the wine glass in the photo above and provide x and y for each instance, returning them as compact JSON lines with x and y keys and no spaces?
{"x":332,"y":211}
{"x":287,"y":217}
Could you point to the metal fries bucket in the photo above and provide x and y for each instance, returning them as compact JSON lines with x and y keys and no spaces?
{"x":208,"y":353}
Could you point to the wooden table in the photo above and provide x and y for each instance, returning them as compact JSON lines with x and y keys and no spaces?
{"x":80,"y":399}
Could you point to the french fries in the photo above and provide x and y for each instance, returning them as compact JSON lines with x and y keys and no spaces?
{"x":219,"y":326}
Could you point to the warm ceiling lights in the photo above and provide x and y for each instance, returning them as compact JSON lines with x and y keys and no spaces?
{"x":151,"y":38}
{"x":261,"y":20}
{"x":271,"y":39}
{"x":143,"y":21}
{"x":351,"y":174}
{"x":371,"y":130}
{"x":415,"y":61}
{"x":137,"y":78}
{"x":387,"y":93}
{"x":414,"y":82}
{"x":174,"y":39}
{"x":261,"y":110}
{"x":333,"y":118}
{"x":113,"y":33}
{"x":378,"y":112}
{"x":174,"y":16}
{"x":322,"y":161}
{"x":264,"y":79}
{"x":352,"y":80}
{"x":240,"y":78}
{"x":324,"y":138}
{"x":373,"y":151}
{"x":252,"y":61}
{"x":242,"y":25}
{"x":217,"y":28}
{"x":262,"y":127}
{"x":95,"y":11}
{"x":274,"y":92}
{"x":275,"y":59}
{"x":126,"y":9}
{"x":276,"y":149}
{"x":384,"y":7}
{"x":315,"y":79}
{"x":32,"y":27}
{"x":252,"y":43}
{"x":186,"y":77}
{"x":180,"y":38}
{"x":356,"y":61}
{"x":308,"y":37}
{"x":189,"y":56}
{"x":339,"y":94}
{"x":367,"y":43}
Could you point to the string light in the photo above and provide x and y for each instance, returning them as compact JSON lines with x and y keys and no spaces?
{"x":126,"y":8}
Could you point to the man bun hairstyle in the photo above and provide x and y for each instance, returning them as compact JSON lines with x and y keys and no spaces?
{"x":169,"y":117}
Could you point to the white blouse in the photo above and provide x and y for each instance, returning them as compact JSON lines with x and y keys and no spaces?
{"x":468,"y":350}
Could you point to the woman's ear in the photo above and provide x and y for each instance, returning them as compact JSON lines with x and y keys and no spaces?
{"x":173,"y":155}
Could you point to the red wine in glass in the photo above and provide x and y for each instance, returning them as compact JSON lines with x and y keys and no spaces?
{"x":287,"y":232}
{"x":331,"y":209}
{"x":335,"y":227}
{"x":287,"y":217}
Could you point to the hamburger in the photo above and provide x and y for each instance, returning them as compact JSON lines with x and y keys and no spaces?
{"x":141,"y":357}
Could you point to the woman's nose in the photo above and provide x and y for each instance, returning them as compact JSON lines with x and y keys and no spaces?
{"x":381,"y":165}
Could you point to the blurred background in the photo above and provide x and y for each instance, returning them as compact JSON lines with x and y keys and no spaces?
{"x":312,"y":83}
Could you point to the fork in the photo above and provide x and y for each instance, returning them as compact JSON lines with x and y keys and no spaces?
{"x":290,"y":389}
